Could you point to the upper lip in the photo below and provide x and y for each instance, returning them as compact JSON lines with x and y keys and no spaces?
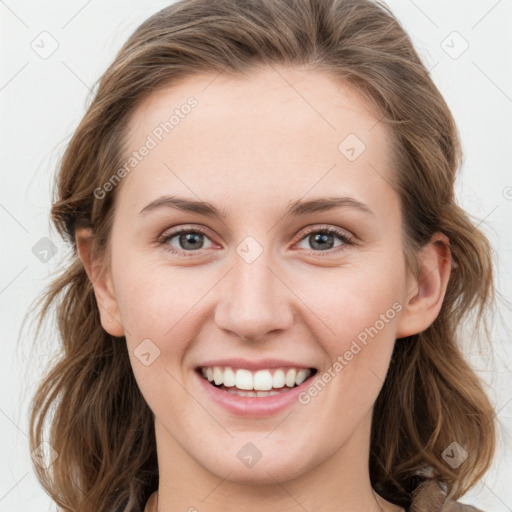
{"x":262,"y":364}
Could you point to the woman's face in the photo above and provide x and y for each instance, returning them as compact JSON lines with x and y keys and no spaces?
{"x":266,"y":153}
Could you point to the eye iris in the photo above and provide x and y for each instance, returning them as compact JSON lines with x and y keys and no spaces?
{"x":188,"y":238}
{"x":321,"y":238}
{"x":194,"y":240}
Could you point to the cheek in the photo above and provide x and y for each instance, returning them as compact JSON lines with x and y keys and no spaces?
{"x":141,"y":293}
{"x":361,"y":307}
{"x":350,"y":299}
{"x":156,"y":305}
{"x":159,"y":302}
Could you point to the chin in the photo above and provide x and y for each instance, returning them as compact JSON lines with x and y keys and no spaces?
{"x":269,"y":469}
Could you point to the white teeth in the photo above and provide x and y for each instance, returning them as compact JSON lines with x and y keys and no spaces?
{"x":302,"y":375}
{"x":229,"y":377}
{"x":278,"y":379}
{"x":263,"y":381}
{"x":290,"y":378}
{"x":217,"y":375}
{"x":243,"y":379}
{"x":259,"y":394}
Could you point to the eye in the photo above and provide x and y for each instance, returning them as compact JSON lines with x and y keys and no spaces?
{"x":187,"y":240}
{"x":321,"y":239}
{"x":190,"y":240}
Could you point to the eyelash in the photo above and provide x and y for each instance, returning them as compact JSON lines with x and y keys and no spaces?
{"x":344,"y":237}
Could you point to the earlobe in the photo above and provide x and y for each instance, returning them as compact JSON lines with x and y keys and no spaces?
{"x":426,"y":292}
{"x":101,"y":281}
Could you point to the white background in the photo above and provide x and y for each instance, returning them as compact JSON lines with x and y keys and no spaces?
{"x":42,"y":101}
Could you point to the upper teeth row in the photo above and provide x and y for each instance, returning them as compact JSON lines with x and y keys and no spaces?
{"x":261,"y":380}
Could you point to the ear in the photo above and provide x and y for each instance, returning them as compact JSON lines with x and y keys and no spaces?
{"x":102,"y":282}
{"x":425,"y":293}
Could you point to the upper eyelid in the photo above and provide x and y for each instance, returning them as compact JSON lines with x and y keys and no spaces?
{"x":337,"y":231}
{"x":325,"y":227}
{"x":176,"y":230}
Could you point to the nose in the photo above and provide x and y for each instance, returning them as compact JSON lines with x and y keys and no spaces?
{"x":254,"y":299}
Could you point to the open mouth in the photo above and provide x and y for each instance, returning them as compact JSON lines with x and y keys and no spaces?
{"x":261,"y":383}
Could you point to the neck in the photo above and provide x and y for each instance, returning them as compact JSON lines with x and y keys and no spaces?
{"x":338,"y":483}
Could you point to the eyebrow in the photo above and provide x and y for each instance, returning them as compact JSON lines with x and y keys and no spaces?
{"x":296,"y":208}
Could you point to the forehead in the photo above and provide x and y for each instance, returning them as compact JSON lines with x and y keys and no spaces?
{"x":277,"y":133}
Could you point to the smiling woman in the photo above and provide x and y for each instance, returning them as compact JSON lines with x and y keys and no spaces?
{"x":262,"y":313}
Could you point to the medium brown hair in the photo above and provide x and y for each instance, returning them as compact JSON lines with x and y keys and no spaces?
{"x":100,"y":425}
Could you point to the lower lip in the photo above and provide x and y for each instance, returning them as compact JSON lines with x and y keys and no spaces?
{"x":250,"y":406}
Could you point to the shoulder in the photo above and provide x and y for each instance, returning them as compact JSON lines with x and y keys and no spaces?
{"x":429,"y":496}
